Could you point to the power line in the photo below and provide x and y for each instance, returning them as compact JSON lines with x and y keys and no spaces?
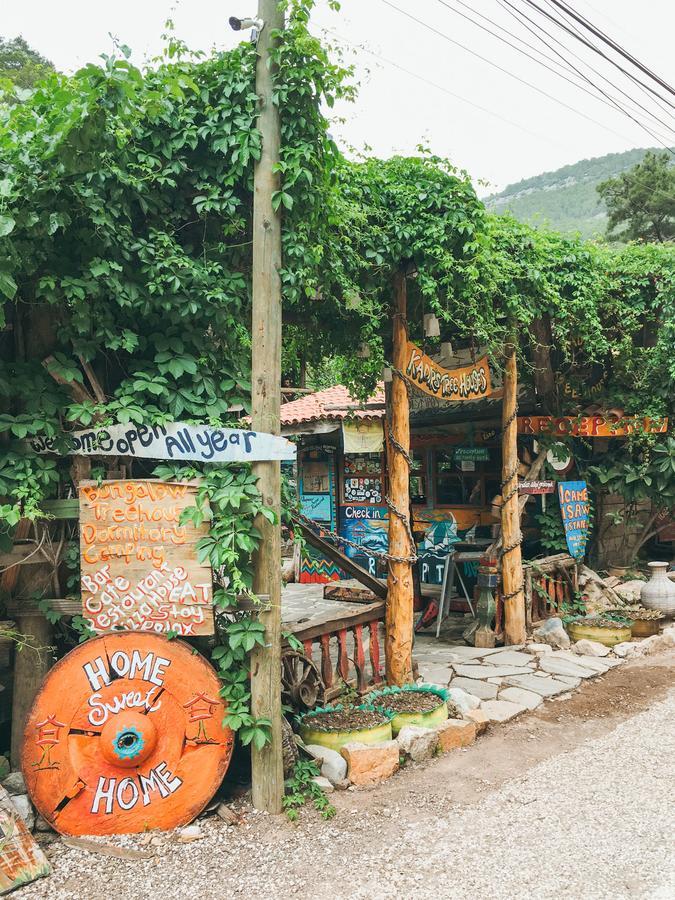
{"x":612,"y":43}
{"x":535,"y":28}
{"x":501,"y":69}
{"x":648,"y":92}
{"x":441,"y":87}
{"x":608,"y":101}
{"x":595,"y":49}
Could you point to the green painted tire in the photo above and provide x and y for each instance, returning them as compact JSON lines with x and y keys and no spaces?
{"x":335,"y":740}
{"x":430,"y":719}
{"x":607,"y":636}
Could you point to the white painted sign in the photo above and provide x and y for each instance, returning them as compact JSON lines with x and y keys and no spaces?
{"x":175,"y":440}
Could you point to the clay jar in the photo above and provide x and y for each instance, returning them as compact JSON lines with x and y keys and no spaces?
{"x":659,"y":591}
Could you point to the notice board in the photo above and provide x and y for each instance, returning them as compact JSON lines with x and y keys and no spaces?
{"x":138,"y":563}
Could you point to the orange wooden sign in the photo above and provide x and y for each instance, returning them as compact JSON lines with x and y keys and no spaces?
{"x":465,"y":383}
{"x":139,"y":565}
{"x":125,"y":735}
{"x":591,"y":426}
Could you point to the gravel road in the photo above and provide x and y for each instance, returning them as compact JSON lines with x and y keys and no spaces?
{"x":591,"y":822}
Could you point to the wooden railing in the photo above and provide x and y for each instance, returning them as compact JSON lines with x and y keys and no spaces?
{"x":550,"y":586}
{"x":346,"y":650}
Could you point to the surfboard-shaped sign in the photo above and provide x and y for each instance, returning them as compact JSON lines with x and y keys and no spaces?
{"x":175,"y":440}
{"x":465,"y":383}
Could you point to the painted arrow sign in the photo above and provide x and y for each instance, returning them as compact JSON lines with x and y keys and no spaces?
{"x":175,"y":440}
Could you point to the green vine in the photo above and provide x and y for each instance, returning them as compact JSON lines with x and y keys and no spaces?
{"x":301,"y":787}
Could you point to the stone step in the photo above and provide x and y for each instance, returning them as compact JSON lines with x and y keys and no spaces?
{"x":528,"y":699}
{"x":501,"y":710}
{"x":485,"y":671}
{"x":564,"y":667}
{"x":509,"y":658}
{"x":547,"y":687}
{"x":474,"y":686}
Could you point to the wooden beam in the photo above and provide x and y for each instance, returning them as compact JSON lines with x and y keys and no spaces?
{"x":399,"y":614}
{"x":512,"y":569}
{"x":330,"y":551}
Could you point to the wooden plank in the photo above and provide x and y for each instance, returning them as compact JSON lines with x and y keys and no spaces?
{"x":331,"y":552}
{"x":139,"y":565}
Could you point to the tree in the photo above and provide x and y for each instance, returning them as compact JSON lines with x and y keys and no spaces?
{"x":21,"y":64}
{"x":642,"y":200}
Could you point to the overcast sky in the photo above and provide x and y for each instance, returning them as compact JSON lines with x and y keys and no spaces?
{"x":517,"y":133}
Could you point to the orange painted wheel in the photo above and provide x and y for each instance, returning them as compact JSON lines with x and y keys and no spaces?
{"x":126,"y":735}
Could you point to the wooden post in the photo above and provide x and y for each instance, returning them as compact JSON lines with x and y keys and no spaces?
{"x":512,"y":569}
{"x":31,"y":664}
{"x":399,"y":612}
{"x":267,"y":764}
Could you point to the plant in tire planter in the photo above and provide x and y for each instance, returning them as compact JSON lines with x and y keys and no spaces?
{"x":335,"y":726}
{"x":415,"y":704}
{"x":605,"y":629}
{"x":645,"y":622}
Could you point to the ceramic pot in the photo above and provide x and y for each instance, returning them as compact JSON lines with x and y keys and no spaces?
{"x":659,"y":591}
{"x":617,"y":571}
{"x":645,"y":627}
{"x":607,"y":635}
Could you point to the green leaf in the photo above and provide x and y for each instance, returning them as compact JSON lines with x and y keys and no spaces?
{"x":7,"y":224}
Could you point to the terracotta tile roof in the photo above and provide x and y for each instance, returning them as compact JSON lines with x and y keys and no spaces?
{"x":333,"y":403}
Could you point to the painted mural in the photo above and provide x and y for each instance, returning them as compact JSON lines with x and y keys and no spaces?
{"x":316,"y":489}
{"x":368,"y":527}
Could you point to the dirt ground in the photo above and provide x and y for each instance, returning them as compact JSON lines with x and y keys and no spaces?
{"x":573,"y":797}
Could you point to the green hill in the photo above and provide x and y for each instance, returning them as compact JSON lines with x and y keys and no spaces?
{"x":565,"y":200}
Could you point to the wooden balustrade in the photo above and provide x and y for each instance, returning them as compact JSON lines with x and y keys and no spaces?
{"x":550,"y":586}
{"x":346,"y":649}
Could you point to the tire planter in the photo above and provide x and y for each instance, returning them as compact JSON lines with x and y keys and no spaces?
{"x":645,"y":622}
{"x":424,"y":718}
{"x":608,"y":634}
{"x":335,"y":739}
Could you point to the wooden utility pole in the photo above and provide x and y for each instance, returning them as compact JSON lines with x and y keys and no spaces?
{"x":512,"y":568}
{"x":399,"y":612}
{"x":267,"y":764}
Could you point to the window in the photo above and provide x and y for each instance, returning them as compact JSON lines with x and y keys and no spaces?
{"x":418,"y":478}
{"x":459,"y":483}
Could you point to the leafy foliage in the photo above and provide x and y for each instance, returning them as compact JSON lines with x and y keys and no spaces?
{"x":642,"y":201}
{"x":301,"y":787}
{"x":20,"y":64}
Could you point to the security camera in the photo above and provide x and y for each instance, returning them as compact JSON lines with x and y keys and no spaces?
{"x":242,"y":24}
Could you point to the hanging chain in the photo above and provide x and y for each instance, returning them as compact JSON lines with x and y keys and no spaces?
{"x":513,"y":490}
{"x":339,"y":539}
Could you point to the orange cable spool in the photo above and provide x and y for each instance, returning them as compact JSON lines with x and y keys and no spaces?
{"x":126,"y":735}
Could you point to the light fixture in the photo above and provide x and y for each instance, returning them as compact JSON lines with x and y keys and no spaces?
{"x":256,"y":25}
{"x":363,"y":351}
{"x":432,"y":326}
{"x":387,"y":374}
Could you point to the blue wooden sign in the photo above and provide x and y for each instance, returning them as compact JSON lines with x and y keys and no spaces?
{"x":574,"y":506}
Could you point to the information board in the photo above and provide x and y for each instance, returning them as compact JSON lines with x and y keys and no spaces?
{"x":139,"y":565}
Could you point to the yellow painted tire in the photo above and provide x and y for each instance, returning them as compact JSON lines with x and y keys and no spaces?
{"x":607,"y":636}
{"x":335,"y":740}
{"x":430,"y":719}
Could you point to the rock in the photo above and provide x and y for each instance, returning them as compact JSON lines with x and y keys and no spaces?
{"x":325,"y":785}
{"x":342,"y":785}
{"x":598,"y":595}
{"x":42,"y":825}
{"x":590,"y":648}
{"x":502,"y":710}
{"x":630,"y":591}
{"x":569,"y":680}
{"x":522,"y":697}
{"x":189,"y":833}
{"x":626,"y":650}
{"x":538,"y":649}
{"x":464,"y":654}
{"x":418,"y":743}
{"x":368,"y":764}
{"x":455,"y":733}
{"x":228,"y":815}
{"x":478,"y":717}
{"x":481,"y":689}
{"x":4,"y":767}
{"x":564,"y":667}
{"x":656,"y":643}
{"x":508,"y":658}
{"x":25,"y":809}
{"x":547,"y":687}
{"x":599,"y":666}
{"x":333,"y":766}
{"x":553,"y":634}
{"x":436,"y":675}
{"x":486,"y":671}
{"x":14,"y":783}
{"x":462,"y":700}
